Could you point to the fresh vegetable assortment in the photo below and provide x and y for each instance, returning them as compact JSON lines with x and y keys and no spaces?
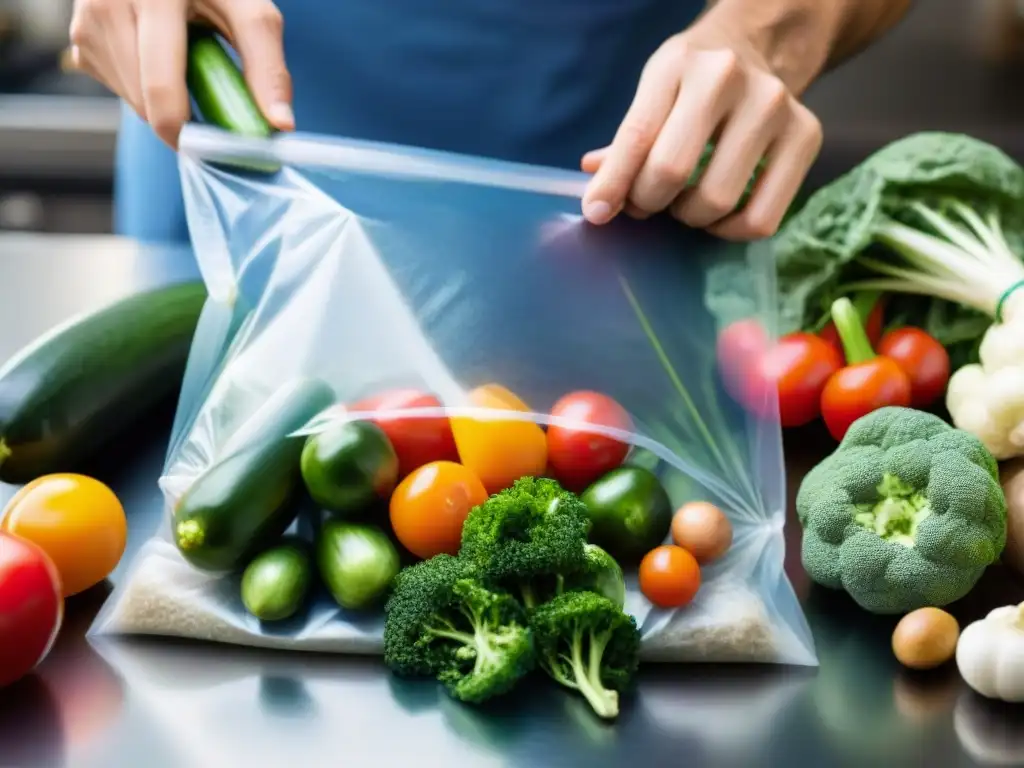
{"x":933,"y":222}
{"x":840,"y":375}
{"x":910,"y":269}
{"x":511,"y":569}
{"x":495,"y":547}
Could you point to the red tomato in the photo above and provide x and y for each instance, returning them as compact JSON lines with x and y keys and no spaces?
{"x":797,"y":367}
{"x":31,"y":607}
{"x":429,"y":507}
{"x":578,"y":456}
{"x":873,"y":327}
{"x":738,"y":347}
{"x":669,"y":576}
{"x":859,"y":389}
{"x":416,"y":440}
{"x":923,"y":359}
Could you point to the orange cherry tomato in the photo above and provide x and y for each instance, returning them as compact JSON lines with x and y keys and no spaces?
{"x":669,"y":576}
{"x":500,"y":452}
{"x":429,"y":507}
{"x":76,"y":520}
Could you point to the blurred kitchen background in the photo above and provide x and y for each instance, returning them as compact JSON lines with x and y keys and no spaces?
{"x":952,"y":65}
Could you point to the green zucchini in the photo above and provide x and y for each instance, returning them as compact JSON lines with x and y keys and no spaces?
{"x":242,"y":502}
{"x":276,"y":583}
{"x":219,"y":89}
{"x":78,"y":387}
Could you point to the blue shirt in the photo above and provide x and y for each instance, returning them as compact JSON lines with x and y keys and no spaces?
{"x":537,"y":81}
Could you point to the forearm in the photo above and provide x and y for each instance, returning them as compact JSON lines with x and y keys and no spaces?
{"x":801,"y":38}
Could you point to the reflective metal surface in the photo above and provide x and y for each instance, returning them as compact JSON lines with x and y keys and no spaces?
{"x":163,"y":704}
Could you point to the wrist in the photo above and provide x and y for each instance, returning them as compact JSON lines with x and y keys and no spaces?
{"x":794,"y":38}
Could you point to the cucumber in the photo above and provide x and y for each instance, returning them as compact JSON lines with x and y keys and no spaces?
{"x":219,"y":89}
{"x":356,"y":562}
{"x":276,"y":583}
{"x":78,"y":387}
{"x":243,"y":501}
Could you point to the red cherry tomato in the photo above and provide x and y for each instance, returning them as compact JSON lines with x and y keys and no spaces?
{"x":738,"y":348}
{"x":31,"y":607}
{"x":578,"y":456}
{"x":867,"y":383}
{"x":874,"y":325}
{"x":797,"y":367}
{"x":416,"y":440}
{"x":923,"y":359}
{"x":859,"y":389}
{"x":669,"y":576}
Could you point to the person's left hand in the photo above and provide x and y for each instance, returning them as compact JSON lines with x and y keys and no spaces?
{"x":706,"y":84}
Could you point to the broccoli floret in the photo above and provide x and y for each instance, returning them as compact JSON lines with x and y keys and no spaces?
{"x":589,"y":645}
{"x":442,"y":621}
{"x":907,"y":513}
{"x":527,"y":536}
{"x":600,"y":573}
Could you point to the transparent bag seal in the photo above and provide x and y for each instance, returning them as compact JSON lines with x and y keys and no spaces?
{"x":373,"y":268}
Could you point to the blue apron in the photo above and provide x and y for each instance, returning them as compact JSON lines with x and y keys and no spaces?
{"x":536,"y":81}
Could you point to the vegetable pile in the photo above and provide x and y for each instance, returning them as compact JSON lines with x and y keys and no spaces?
{"x":511,"y":533}
{"x":900,"y":288}
{"x":935,"y":222}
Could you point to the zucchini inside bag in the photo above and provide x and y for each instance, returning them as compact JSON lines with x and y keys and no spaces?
{"x":370,"y":268}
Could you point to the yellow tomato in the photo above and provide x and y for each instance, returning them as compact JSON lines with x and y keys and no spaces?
{"x":499,"y":452}
{"x":76,"y":520}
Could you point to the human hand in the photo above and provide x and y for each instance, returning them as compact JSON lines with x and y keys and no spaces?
{"x":138,"y":49}
{"x":709,"y":83}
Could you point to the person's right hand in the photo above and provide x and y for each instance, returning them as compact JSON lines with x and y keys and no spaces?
{"x":138,"y":49}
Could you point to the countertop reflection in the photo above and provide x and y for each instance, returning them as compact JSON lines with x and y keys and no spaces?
{"x":167,"y":704}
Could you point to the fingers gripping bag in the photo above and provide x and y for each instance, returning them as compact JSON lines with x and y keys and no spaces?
{"x":397,"y":337}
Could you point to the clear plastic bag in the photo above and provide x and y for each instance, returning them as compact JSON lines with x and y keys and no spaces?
{"x":373,"y":267}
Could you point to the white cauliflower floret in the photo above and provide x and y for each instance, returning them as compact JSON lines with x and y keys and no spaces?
{"x":987,"y":399}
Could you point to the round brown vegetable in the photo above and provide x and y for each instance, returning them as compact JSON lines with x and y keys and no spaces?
{"x":925,"y":638}
{"x":703,"y":530}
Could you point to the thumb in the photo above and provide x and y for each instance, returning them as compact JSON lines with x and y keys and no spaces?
{"x":257,"y":33}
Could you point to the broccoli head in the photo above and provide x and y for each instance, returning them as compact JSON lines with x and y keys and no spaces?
{"x":526,"y":536}
{"x":586,"y":643}
{"x":441,"y":621}
{"x":907,"y":512}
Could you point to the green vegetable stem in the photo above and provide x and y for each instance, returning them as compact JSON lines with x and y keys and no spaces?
{"x":587,"y":644}
{"x":856,"y":345}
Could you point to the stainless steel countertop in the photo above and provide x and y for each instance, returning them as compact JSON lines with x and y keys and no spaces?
{"x":166,"y":704}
